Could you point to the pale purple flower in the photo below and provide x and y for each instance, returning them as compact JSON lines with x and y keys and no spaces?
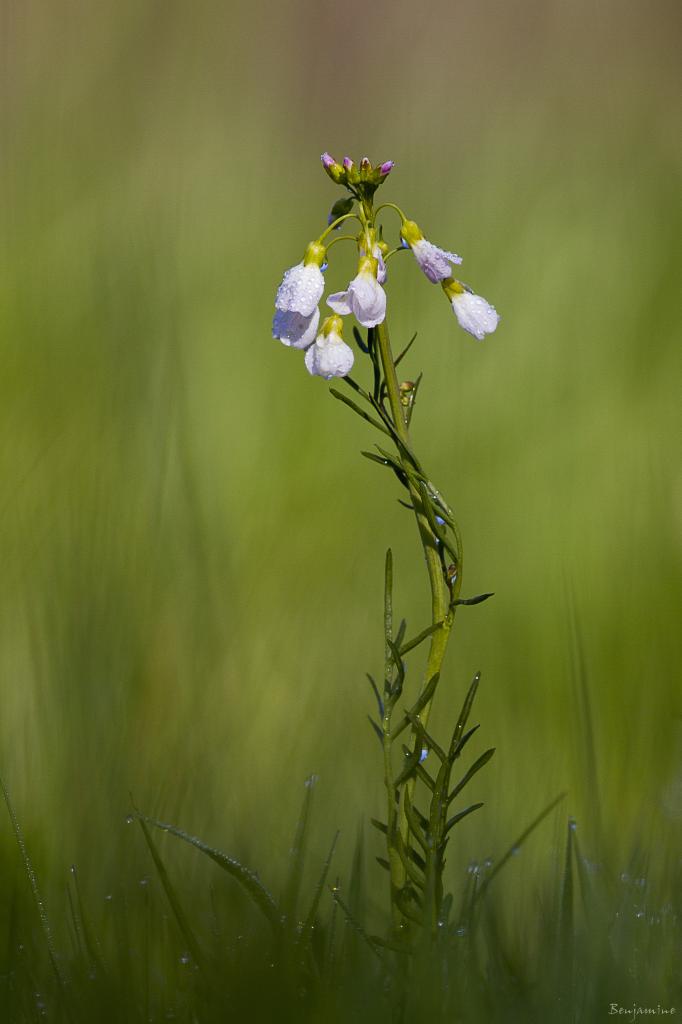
{"x":386,"y":168}
{"x":330,"y":356}
{"x":435,"y":262}
{"x":295,"y":330}
{"x":364,"y":298}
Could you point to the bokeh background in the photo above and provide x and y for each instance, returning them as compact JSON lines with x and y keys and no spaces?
{"x":191,"y":546}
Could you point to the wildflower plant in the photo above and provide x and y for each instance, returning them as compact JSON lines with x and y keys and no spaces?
{"x":415,"y":766}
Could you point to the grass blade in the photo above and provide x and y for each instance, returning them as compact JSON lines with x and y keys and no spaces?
{"x":515,"y":846}
{"x":297,"y":855}
{"x":33,"y":882}
{"x":175,"y":905}
{"x":248,"y":879}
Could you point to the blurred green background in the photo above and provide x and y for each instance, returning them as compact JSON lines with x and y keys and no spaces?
{"x":191,"y":546}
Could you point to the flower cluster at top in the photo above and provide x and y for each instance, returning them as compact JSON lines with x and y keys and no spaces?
{"x":297,"y":314}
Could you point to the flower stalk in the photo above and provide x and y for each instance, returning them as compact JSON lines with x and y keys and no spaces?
{"x":415,"y":841}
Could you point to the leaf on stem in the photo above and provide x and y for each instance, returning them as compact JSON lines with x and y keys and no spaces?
{"x":464,"y":715}
{"x":375,"y":690}
{"x":404,"y":352}
{"x":376,"y":728}
{"x":424,"y":635}
{"x":462,"y":814}
{"x":479,"y":599}
{"x":391,"y":463}
{"x":356,"y":408}
{"x":359,"y":341}
{"x":468,"y":776}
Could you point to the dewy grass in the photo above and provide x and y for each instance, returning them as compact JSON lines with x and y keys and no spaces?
{"x":594,"y":939}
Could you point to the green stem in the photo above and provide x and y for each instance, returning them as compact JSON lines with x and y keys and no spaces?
{"x":441,"y":612}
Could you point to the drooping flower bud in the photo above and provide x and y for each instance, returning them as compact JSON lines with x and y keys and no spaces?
{"x":474,"y":313}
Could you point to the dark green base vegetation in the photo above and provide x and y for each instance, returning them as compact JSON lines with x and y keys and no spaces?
{"x":598,"y":940}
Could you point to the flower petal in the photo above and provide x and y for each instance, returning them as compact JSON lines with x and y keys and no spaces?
{"x":339,"y":303}
{"x":329,"y":357}
{"x":434,"y":261}
{"x":475,"y":314}
{"x":367,"y":300}
{"x":301,"y":289}
{"x":295,"y":330}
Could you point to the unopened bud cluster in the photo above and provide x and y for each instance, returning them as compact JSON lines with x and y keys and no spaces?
{"x":297,"y":315}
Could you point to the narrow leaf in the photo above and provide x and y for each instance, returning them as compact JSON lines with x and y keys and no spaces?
{"x":464,"y":716}
{"x":425,"y":738}
{"x":376,"y":729}
{"x":375,"y":689}
{"x":462,"y":814}
{"x":473,"y":600}
{"x":463,"y":742}
{"x":356,"y":408}
{"x":426,"y":696}
{"x":419,"y":638}
{"x":404,"y":352}
{"x":476,"y":767}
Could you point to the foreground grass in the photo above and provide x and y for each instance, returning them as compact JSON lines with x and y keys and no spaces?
{"x":596,"y":935}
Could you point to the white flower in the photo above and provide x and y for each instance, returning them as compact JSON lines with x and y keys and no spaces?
{"x":330,"y":356}
{"x":295,"y":330}
{"x":474,"y":314}
{"x":434,"y":261}
{"x":365,"y":298}
{"x":302,"y":286}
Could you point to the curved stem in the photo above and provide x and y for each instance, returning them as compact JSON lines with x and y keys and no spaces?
{"x":390,"y":206}
{"x":341,"y":238}
{"x":335,"y":223}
